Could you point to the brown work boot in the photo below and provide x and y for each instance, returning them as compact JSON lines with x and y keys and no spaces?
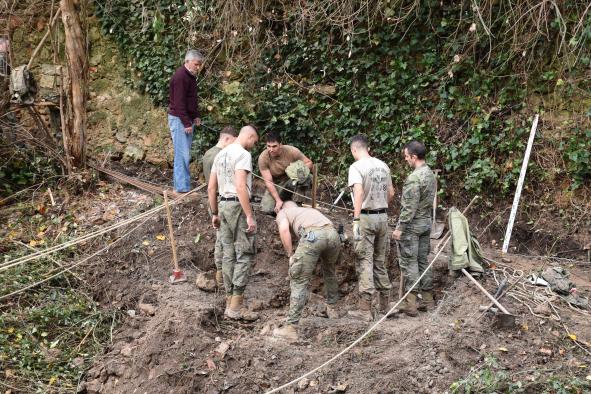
{"x":219,"y":279}
{"x":287,"y":332}
{"x":383,"y":302}
{"x":238,"y":311}
{"x":409,"y":305}
{"x":363,"y":311}
{"x":427,"y":302}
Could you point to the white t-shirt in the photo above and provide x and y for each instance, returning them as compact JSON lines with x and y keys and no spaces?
{"x":233,"y":157}
{"x":374,"y":175}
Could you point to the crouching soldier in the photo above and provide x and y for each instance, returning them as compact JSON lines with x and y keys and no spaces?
{"x":287,"y":167}
{"x":318,"y":240}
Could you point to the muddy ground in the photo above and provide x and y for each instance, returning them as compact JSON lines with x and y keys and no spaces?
{"x":173,"y":338}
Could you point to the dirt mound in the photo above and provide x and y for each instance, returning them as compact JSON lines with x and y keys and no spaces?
{"x":173,"y":339}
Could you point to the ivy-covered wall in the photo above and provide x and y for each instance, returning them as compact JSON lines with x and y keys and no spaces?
{"x":465,"y":77}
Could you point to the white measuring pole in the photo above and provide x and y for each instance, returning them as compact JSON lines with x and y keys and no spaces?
{"x":530,"y":142}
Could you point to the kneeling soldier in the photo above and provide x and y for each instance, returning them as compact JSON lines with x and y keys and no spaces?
{"x":318,"y":240}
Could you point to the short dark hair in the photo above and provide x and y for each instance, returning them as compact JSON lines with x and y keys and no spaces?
{"x":416,"y":148}
{"x":359,"y":141}
{"x":230,"y":131}
{"x":273,"y":136}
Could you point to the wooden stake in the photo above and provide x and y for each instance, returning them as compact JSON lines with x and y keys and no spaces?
{"x":170,"y":233}
{"x":314,"y":184}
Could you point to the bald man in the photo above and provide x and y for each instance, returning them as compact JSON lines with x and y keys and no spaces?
{"x":231,"y":177}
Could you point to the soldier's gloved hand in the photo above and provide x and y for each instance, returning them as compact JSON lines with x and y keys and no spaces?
{"x":356,"y":231}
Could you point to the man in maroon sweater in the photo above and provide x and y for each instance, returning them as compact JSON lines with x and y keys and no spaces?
{"x":183,"y":116}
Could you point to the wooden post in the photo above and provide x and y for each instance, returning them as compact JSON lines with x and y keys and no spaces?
{"x":314,"y":184}
{"x":175,"y":262}
{"x":76,"y":89}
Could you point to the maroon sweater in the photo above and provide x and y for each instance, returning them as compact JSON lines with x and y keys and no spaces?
{"x":183,"y":96}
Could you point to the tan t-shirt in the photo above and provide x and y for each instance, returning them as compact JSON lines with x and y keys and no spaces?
{"x":277,"y":165}
{"x":374,"y":175}
{"x":233,"y":157}
{"x":300,"y":217}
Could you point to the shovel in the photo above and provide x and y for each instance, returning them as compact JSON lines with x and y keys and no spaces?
{"x":504,"y":319}
{"x":177,"y":275}
{"x":437,"y":227}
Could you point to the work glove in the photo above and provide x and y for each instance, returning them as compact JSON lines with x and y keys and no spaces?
{"x":356,"y":231}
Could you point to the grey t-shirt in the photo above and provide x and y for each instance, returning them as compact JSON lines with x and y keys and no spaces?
{"x":374,"y":175}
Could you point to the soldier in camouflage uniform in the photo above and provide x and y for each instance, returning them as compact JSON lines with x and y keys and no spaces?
{"x":318,"y":241}
{"x":232,"y":171}
{"x":414,"y":227}
{"x":373,"y":191}
{"x":227,"y":136}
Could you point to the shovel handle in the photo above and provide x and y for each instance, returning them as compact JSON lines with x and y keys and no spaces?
{"x":171,"y":233}
{"x":497,"y":303}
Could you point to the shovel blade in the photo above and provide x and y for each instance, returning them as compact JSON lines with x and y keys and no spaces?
{"x":177,"y":277}
{"x":504,"y":320}
{"x":437,"y":230}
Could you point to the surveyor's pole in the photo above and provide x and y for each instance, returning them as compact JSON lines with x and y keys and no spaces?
{"x":530,"y":143}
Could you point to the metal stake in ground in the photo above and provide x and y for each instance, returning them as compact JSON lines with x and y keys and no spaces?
{"x":177,"y":275}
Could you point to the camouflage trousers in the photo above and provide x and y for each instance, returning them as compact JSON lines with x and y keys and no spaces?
{"x":238,"y":247}
{"x":324,"y":245}
{"x":268,"y":202}
{"x":371,"y":252}
{"x":414,"y":247}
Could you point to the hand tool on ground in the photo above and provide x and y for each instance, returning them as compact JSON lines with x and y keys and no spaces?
{"x":177,"y":275}
{"x":505,"y":319}
{"x":436,"y":227}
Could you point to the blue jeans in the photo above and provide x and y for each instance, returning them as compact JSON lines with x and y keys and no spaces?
{"x":182,"y":154}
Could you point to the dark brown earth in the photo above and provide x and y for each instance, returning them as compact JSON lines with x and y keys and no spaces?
{"x":186,"y":346}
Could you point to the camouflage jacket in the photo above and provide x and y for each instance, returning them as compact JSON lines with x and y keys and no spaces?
{"x":418,"y":193}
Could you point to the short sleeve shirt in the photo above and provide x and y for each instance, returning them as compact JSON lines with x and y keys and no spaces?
{"x":208,"y":161}
{"x":374,"y":175}
{"x":300,"y":217}
{"x":230,"y":159}
{"x":277,"y":165}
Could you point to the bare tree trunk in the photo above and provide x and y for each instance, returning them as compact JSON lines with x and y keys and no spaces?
{"x":75,"y":117}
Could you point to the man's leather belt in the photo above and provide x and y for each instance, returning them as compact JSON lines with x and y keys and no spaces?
{"x":373,"y":211}
{"x":229,"y":199}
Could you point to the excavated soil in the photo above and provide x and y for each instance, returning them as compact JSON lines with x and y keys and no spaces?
{"x":173,"y":338}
